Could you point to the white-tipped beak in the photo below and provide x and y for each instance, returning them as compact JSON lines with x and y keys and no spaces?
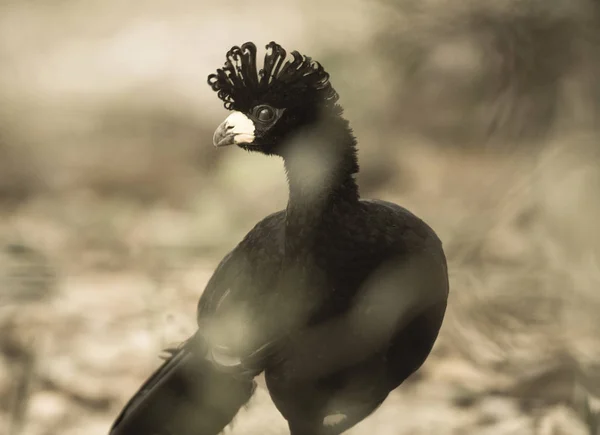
{"x":236,"y":129}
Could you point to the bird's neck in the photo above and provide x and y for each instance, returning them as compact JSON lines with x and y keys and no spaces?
{"x":321,"y":169}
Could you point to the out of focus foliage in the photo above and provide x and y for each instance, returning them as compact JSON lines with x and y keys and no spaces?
{"x":510,"y":72}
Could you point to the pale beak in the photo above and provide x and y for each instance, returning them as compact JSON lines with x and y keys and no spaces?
{"x":236,"y":129}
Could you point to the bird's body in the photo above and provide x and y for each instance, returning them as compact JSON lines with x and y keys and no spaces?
{"x":337,"y":299}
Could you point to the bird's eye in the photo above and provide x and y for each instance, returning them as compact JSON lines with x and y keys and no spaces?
{"x":265,"y":114}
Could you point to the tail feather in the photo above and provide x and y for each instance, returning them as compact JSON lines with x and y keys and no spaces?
{"x":186,"y":395}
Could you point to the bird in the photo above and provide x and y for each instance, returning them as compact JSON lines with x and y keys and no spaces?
{"x":336,"y":299}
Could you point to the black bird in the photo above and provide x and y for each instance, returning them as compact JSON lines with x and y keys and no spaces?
{"x":337,"y":299}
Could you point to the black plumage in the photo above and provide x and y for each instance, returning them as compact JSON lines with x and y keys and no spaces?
{"x":337,"y":299}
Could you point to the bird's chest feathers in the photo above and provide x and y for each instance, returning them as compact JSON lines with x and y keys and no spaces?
{"x":321,"y":275}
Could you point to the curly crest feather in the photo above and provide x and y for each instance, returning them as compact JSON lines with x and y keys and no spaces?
{"x":298,"y":80}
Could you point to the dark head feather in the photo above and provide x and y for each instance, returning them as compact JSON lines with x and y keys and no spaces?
{"x":299,"y":80}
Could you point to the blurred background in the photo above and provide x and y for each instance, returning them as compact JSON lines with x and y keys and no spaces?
{"x":479,"y":116}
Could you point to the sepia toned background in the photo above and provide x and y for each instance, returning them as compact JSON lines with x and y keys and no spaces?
{"x":479,"y":116}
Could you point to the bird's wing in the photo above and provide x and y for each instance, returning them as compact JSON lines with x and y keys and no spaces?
{"x":219,"y":284}
{"x":233,"y":311}
{"x":245,"y":271}
{"x":194,"y":392}
{"x":186,"y":395}
{"x":191,"y":393}
{"x":202,"y":384}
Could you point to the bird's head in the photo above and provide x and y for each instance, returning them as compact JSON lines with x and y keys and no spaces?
{"x":272,"y":102}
